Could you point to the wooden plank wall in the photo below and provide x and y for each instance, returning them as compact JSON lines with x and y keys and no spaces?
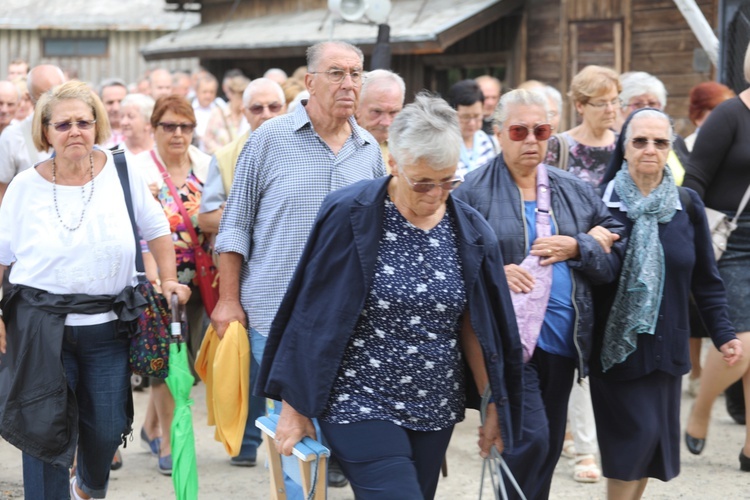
{"x":216,"y":11}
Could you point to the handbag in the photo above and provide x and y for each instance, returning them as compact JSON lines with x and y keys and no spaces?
{"x":721,"y":226}
{"x":531,"y":307}
{"x":149,"y":346}
{"x":205,"y":269}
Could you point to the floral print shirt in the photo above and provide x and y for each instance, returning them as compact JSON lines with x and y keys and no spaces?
{"x":588,"y":163}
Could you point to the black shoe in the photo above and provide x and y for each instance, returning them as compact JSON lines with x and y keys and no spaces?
{"x":744,"y":462}
{"x":116,"y":461}
{"x":694,"y":445}
{"x":336,"y":477}
{"x":735,"y":400}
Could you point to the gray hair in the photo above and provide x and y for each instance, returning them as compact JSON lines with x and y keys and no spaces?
{"x":378,"y":77}
{"x":111,"y":82}
{"x":275,"y":71}
{"x":638,"y":83}
{"x":315,"y":52}
{"x":144,"y":103}
{"x":261,"y":83}
{"x":518,"y":97}
{"x":426,"y":130}
{"x":647,"y":113}
{"x":552,"y":93}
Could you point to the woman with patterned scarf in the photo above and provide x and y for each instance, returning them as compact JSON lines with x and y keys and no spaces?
{"x":641,"y":344}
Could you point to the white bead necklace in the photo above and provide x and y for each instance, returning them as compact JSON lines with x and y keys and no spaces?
{"x":83,"y":194}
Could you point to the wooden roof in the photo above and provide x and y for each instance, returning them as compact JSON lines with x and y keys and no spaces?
{"x":417,"y":26}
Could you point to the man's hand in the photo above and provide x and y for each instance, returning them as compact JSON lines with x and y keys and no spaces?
{"x":226,"y":311}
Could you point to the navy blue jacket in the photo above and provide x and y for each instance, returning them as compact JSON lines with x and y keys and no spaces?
{"x":324,"y":300}
{"x":576,"y":208}
{"x":690,"y":265}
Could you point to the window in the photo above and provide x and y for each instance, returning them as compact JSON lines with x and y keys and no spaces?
{"x":74,"y":47}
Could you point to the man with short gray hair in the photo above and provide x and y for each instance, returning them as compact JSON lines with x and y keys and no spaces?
{"x":9,"y":97}
{"x":380,"y":101}
{"x":112,"y":92}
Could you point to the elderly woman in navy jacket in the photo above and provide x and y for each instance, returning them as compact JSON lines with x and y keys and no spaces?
{"x":397,"y":318}
{"x":583,"y":249}
{"x":641,"y":348}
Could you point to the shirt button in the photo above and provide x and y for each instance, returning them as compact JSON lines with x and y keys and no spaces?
{"x":658,"y":357}
{"x":659,"y":338}
{"x":493,"y":358}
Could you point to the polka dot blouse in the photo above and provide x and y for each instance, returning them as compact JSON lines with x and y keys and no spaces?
{"x":403,"y":362}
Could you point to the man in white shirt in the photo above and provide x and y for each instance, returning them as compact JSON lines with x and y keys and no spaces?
{"x":17,"y":151}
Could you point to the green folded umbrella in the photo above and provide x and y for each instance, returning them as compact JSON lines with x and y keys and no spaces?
{"x":180,"y":382}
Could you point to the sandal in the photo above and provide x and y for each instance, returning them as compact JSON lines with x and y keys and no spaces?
{"x":569,"y":448}
{"x":586,"y":473}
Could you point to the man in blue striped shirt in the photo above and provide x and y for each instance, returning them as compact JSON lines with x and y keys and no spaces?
{"x":284,"y":171}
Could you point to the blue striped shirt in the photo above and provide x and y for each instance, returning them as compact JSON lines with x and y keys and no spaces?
{"x":283,"y":173}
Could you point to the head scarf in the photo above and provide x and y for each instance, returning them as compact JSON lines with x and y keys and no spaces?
{"x":618,"y":156}
{"x":639,"y":292}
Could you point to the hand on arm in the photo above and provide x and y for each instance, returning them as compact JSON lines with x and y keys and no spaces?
{"x":228,"y":308}
{"x":519,"y":279}
{"x":555,"y":248}
{"x":290,"y":430}
{"x":489,"y":432}
{"x":604,"y":237}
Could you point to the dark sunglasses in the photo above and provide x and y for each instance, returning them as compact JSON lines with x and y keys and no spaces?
{"x":172,"y":127}
{"x":642,"y":143}
{"x":520,"y":133}
{"x":257,"y":109}
{"x":65,"y":126}
{"x":426,"y":187}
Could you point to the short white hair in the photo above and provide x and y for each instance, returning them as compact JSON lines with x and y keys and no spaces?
{"x":258,"y":84}
{"x":638,"y":83}
{"x":518,"y":97}
{"x":380,"y":76}
{"x":144,"y":103}
{"x":426,"y":130}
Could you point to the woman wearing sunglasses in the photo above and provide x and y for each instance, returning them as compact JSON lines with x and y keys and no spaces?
{"x":174,"y":165}
{"x":641,"y":343}
{"x":64,"y":225}
{"x":580,"y":250}
{"x":397,"y":317}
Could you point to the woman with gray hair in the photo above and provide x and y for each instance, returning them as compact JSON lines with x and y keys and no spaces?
{"x":551,"y":261}
{"x":641,"y":343}
{"x":417,"y":281}
{"x":135,"y":125}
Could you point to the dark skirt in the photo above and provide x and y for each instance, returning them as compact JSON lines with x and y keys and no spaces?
{"x":638,"y":426}
{"x":734,"y":267}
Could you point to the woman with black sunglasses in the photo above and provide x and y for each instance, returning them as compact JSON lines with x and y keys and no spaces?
{"x":397,"y":318}
{"x":581,"y":248}
{"x":641,"y":342}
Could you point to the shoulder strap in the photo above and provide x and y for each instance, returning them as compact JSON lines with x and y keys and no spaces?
{"x":743,"y":204}
{"x":177,"y":199}
{"x":122,"y":173}
{"x":688,"y":204}
{"x":563,"y":152}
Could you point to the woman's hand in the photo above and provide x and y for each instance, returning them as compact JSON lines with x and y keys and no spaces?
{"x":604,"y":237}
{"x":555,"y":249}
{"x":170,"y":286}
{"x":489,"y":433}
{"x":732,"y":351}
{"x":3,"y":345}
{"x":290,"y":430}
{"x":519,"y":279}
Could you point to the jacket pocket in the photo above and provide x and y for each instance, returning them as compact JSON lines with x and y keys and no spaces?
{"x":43,"y":419}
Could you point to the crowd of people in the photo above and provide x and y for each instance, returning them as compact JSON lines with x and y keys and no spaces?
{"x":393,"y":264}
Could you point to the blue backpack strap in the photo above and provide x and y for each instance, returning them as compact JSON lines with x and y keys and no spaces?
{"x":122,"y":172}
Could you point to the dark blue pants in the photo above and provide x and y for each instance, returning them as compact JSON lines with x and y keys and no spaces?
{"x":252,"y":438}
{"x":385,"y":461}
{"x":548,"y":379}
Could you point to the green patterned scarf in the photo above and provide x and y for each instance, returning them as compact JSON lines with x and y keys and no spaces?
{"x":639,"y":291}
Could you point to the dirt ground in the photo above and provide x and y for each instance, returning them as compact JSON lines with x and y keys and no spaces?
{"x":713,"y":475}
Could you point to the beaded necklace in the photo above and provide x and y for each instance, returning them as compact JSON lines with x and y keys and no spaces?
{"x":83,"y":194}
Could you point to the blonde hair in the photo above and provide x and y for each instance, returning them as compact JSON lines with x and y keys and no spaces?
{"x":592,"y":81}
{"x":72,"y":90}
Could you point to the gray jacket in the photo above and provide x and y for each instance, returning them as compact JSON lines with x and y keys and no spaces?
{"x":576,"y":208}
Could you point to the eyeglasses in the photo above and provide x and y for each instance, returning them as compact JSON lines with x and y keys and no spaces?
{"x":642,"y":143}
{"x":426,"y":187}
{"x":601,"y":105}
{"x":645,"y":104}
{"x":170,"y":128}
{"x":338,"y":75}
{"x":257,"y":109}
{"x":519,"y":132}
{"x":65,"y":126}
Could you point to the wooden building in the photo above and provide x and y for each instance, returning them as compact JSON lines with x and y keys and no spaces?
{"x":438,"y":42}
{"x":92,"y":40}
